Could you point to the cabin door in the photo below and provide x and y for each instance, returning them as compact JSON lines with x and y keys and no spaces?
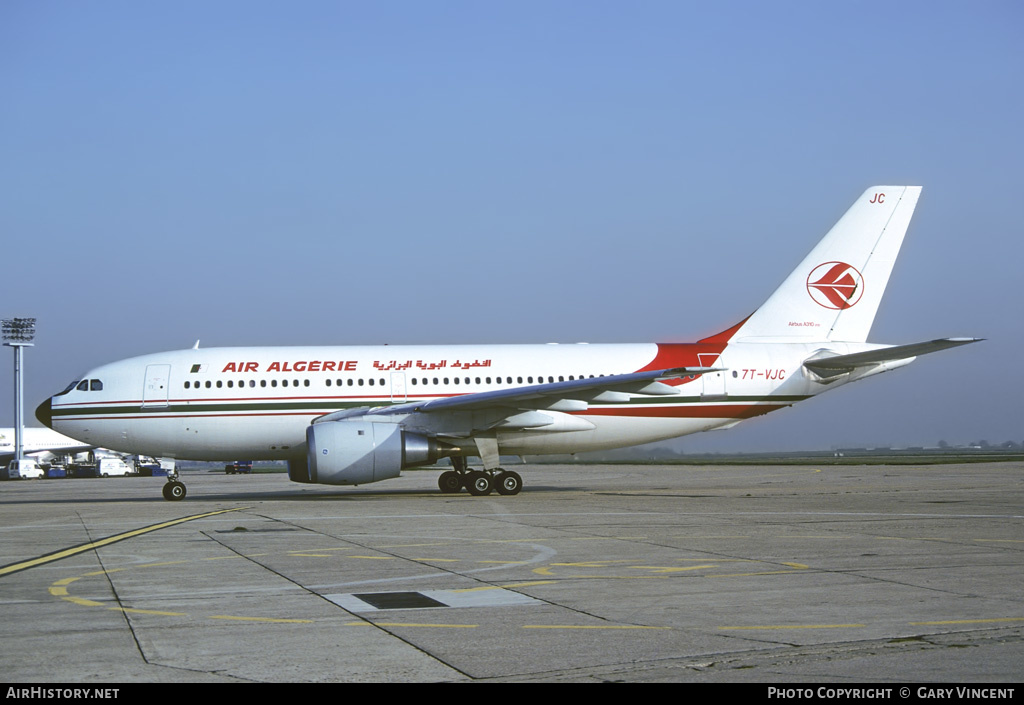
{"x":156,"y":390}
{"x":713,"y":383}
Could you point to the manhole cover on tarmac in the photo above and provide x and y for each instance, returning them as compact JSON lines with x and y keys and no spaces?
{"x":398,"y":600}
{"x":372,"y":601}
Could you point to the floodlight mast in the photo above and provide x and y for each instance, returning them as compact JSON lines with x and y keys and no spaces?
{"x":19,"y":333}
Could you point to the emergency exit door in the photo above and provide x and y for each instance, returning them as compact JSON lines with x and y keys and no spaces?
{"x":398,"y":392}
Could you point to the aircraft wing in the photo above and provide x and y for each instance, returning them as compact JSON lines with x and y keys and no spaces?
{"x":841,"y":364}
{"x":608,"y":388}
{"x":572,"y":395}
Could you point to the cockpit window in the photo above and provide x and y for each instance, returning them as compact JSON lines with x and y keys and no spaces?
{"x":67,"y":389}
{"x":84,"y":385}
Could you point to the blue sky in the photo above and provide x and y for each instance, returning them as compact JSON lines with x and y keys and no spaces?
{"x":250,"y":173}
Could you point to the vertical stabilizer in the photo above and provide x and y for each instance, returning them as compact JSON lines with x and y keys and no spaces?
{"x":834,"y":294}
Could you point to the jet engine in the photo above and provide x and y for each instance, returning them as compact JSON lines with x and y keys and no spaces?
{"x":358,"y":452}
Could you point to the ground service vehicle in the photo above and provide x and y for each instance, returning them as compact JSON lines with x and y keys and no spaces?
{"x":24,"y":469}
{"x":113,"y":467}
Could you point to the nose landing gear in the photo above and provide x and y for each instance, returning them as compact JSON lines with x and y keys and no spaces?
{"x":174,"y":490}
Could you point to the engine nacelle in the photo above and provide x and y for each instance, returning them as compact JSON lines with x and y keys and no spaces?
{"x":358,"y":452}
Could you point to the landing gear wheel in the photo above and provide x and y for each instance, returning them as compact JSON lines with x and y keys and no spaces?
{"x":450,"y":482}
{"x":508,"y":482}
{"x":174,"y":491}
{"x":479,"y":484}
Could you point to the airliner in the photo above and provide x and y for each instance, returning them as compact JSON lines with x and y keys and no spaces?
{"x":355,"y":415}
{"x":41,"y":443}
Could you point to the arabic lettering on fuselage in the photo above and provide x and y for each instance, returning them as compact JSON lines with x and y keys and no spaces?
{"x":349,"y":365}
{"x":399,"y":365}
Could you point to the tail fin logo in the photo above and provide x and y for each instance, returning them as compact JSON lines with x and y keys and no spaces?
{"x":835,"y":285}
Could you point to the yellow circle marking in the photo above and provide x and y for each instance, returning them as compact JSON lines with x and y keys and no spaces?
{"x":261,"y":619}
{"x":593,"y":626}
{"x":411,"y":624}
{"x":796,"y":626}
{"x":970,"y":621}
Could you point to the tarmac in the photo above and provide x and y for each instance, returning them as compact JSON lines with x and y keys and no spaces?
{"x":594,"y":573}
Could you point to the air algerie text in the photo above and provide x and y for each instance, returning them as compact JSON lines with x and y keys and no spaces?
{"x":298,"y":366}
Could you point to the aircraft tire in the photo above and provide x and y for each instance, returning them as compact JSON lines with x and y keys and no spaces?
{"x":450,"y":482}
{"x":508,"y":482}
{"x":174,"y":491}
{"x":480,"y":484}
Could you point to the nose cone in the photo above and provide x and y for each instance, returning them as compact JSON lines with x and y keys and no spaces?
{"x":44,"y":413}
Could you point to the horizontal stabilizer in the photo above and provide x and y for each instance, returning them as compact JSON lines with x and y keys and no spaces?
{"x":841,"y":364}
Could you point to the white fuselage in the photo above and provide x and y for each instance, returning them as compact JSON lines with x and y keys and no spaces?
{"x":256,"y":403}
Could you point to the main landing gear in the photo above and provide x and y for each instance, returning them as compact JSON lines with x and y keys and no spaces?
{"x":479,"y":483}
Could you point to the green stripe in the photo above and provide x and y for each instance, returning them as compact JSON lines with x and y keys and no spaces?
{"x":327,"y":406}
{"x":202,"y":408}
